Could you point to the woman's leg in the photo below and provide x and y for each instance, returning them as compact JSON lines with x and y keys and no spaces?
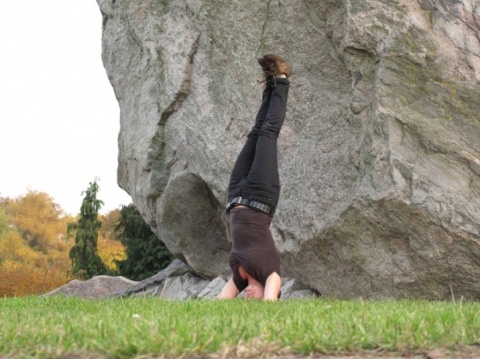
{"x":263,"y":178}
{"x":244,"y":160}
{"x":255,"y":174}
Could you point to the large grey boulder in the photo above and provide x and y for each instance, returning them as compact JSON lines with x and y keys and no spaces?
{"x":379,"y":155}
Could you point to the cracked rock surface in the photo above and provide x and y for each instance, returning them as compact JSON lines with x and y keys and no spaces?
{"x":379,"y":155}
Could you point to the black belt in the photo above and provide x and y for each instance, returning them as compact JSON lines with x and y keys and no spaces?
{"x":252,"y":204}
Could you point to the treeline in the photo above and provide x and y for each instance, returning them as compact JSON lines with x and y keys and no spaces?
{"x":42,"y":248}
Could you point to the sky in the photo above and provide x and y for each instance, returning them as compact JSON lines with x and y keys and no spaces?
{"x":59,"y":118}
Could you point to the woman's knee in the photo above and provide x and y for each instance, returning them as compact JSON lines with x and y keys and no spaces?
{"x":270,"y":130}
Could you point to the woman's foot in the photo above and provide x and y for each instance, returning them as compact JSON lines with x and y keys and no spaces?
{"x":273,"y":66}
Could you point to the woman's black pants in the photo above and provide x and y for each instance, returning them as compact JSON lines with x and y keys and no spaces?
{"x":255,"y":174}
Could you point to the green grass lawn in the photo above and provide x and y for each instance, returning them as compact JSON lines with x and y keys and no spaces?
{"x":125,"y":328}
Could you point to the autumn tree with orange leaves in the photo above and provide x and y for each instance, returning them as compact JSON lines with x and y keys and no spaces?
{"x":33,"y":245}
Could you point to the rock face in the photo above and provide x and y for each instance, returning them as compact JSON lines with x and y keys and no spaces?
{"x":379,"y":155}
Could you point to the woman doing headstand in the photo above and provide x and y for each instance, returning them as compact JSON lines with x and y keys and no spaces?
{"x":253,"y":193}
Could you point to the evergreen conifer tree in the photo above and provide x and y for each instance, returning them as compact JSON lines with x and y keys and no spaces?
{"x":146,"y":254}
{"x":86,"y":262}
